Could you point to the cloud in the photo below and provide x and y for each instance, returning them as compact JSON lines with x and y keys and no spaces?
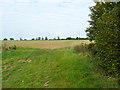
{"x":58,"y":34}
{"x":46,"y":17}
{"x":44,"y":1}
{"x":7,"y":1}
{"x":0,"y":21}
{"x":23,"y":1}
{"x":13,"y":1}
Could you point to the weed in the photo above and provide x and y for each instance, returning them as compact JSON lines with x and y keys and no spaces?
{"x":81,"y":49}
{"x":4,"y":47}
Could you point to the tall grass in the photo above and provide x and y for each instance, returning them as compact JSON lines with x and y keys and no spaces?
{"x":82,"y":49}
{"x":4,"y":46}
{"x":90,"y":51}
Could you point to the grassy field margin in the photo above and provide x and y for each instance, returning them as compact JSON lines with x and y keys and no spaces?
{"x":51,"y":68}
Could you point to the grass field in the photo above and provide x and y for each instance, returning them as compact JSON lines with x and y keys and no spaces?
{"x":51,"y":68}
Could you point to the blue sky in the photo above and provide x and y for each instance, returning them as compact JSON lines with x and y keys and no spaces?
{"x":33,"y":18}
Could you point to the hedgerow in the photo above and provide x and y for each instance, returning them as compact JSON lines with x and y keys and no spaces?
{"x":108,"y":41}
{"x":105,"y":30}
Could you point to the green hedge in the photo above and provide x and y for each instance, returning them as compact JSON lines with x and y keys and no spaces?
{"x":108,"y":41}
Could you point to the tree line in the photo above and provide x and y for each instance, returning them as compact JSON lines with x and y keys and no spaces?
{"x":46,"y":38}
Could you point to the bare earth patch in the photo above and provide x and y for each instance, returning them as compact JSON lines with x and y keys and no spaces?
{"x":28,"y":60}
{"x":5,"y":67}
{"x":46,"y":83}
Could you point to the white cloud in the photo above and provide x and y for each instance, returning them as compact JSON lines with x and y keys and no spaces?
{"x":23,"y":1}
{"x":46,"y":17}
{"x":58,"y":34}
{"x":59,"y":1}
{"x":13,"y":1}
{"x":73,"y":0}
{"x":51,"y":1}
{"x":45,"y":1}
{"x":7,"y":1}
{"x":0,"y":22}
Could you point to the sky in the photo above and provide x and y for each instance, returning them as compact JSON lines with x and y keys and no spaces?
{"x":40,"y":18}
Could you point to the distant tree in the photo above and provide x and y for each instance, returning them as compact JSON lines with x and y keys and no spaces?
{"x":73,"y":38}
{"x":11,"y":39}
{"x":42,"y":38}
{"x":77,"y":38}
{"x":25,"y":39}
{"x":46,"y":38}
{"x":63,"y":39}
{"x":58,"y":38}
{"x":39,"y":38}
{"x":21,"y":39}
{"x":54,"y":38}
{"x":32,"y":39}
{"x":5,"y":39}
{"x":68,"y":38}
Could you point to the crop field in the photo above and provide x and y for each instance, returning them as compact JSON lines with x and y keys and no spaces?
{"x":51,"y":64}
{"x":45,"y":44}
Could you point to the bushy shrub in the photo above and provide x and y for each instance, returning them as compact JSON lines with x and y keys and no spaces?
{"x":105,"y":30}
{"x":81,"y":49}
{"x":108,"y":41}
{"x":92,"y":48}
{"x":91,"y":45}
{"x":14,"y":47}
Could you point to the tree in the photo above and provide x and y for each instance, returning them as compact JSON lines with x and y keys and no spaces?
{"x":58,"y":38}
{"x":39,"y":38}
{"x":68,"y":38}
{"x":54,"y":38}
{"x":21,"y":39}
{"x":42,"y":38}
{"x":46,"y":38}
{"x":11,"y":39}
{"x":5,"y":39}
{"x":25,"y":39}
{"x":32,"y":39}
{"x":77,"y":38}
{"x":96,"y":12}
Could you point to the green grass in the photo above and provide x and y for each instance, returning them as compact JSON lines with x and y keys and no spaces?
{"x":51,"y":68}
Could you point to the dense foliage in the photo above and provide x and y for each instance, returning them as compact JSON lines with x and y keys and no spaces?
{"x":105,"y":30}
{"x":108,"y":40}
